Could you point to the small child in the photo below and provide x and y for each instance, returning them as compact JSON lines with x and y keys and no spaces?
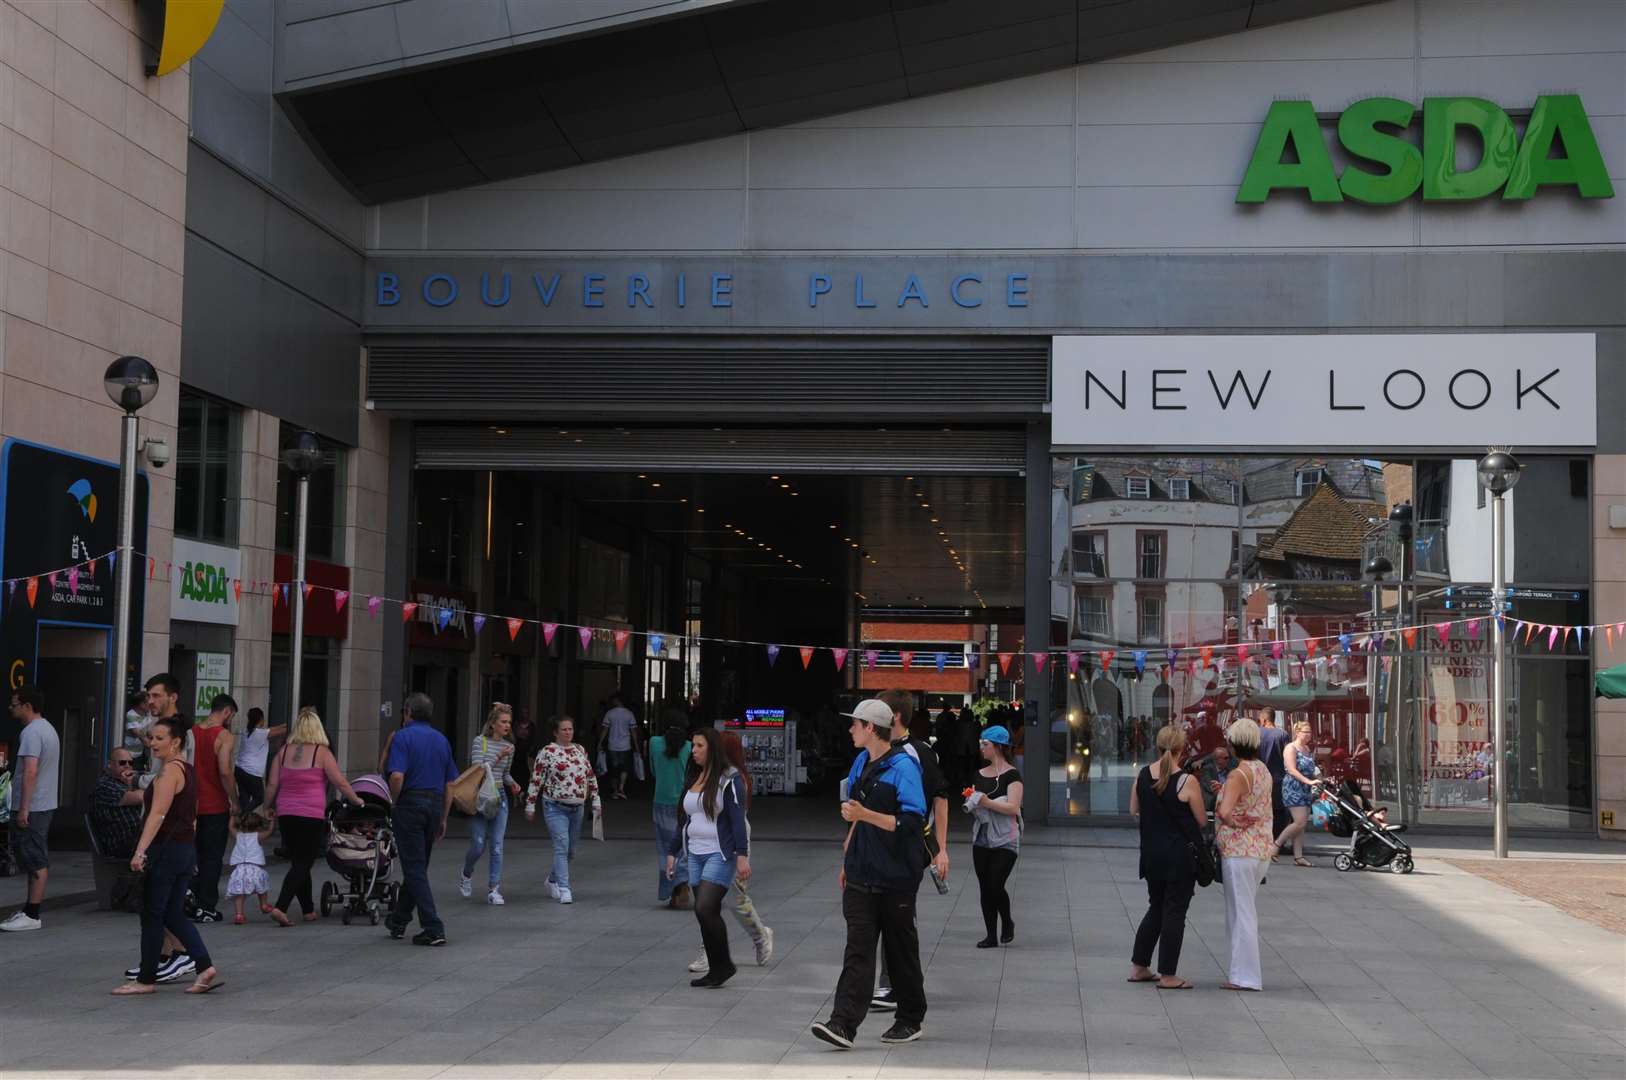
{"x":248,"y":877}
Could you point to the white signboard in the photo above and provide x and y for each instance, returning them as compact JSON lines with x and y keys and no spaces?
{"x":214,"y":679}
{"x":204,"y":583}
{"x":1360,"y":391}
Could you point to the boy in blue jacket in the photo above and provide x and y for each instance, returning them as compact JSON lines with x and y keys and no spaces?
{"x":886,"y":808}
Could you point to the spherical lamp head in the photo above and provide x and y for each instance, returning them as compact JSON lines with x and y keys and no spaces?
{"x":1378,"y":567}
{"x":303,"y":454}
{"x":1401,"y":517}
{"x":1499,"y":471}
{"x":130,"y":382}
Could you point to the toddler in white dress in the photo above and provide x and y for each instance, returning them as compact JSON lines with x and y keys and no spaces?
{"x":248,"y":877}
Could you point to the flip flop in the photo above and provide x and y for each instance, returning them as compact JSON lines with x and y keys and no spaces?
{"x":1302,"y":862}
{"x":1233,"y":986}
{"x":1181,"y":985}
{"x":1148,"y":978}
{"x":133,"y":990}
{"x":201,"y":987}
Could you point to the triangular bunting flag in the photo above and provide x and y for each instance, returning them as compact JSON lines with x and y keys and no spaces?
{"x":1609,"y":635}
{"x":1005,"y":663}
{"x":1276,"y":648}
{"x":1039,"y":661}
{"x":443,"y":618}
{"x":284,"y":589}
{"x":515,"y":624}
{"x":1529,"y":630}
{"x":870,"y":656}
{"x":585,"y":633}
{"x":73,"y":580}
{"x":11,"y":588}
{"x":942,"y":662}
{"x":152,"y":567}
{"x":621,"y":637}
{"x":1170,"y":655}
{"x":307,"y":589}
{"x":1552,"y":637}
{"x":841,"y":658}
{"x":51,"y":577}
{"x":807,"y":657}
{"x":773,"y":655}
{"x":479,"y":624}
{"x":548,"y":630}
{"x":373,"y":604}
{"x":1567,"y":630}
{"x":1106,"y":661}
{"x":1343,"y":643}
{"x":906,"y":658}
{"x":237,"y":588}
{"x":1072,"y":663}
{"x":1242,"y":655}
{"x":1312,"y":646}
{"x":657,"y":644}
{"x":1140,"y":662}
{"x":1207,"y":653}
{"x":1473,"y":629}
{"x":1580,"y":637}
{"x":112,"y":561}
{"x":339,"y":598}
{"x":93,"y":568}
{"x":1410,"y":634}
{"x":33,"y":590}
{"x":408,"y":609}
{"x":1443,"y":631}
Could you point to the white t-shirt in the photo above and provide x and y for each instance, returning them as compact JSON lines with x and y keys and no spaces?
{"x":702,"y":829}
{"x":620,"y":722}
{"x":251,"y":751}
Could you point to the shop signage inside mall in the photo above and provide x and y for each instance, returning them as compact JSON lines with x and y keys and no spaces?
{"x":1361,"y":391}
{"x":1558,"y":150}
{"x":213,"y":679}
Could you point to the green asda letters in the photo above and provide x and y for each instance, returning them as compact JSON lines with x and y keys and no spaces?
{"x":1558,"y":150}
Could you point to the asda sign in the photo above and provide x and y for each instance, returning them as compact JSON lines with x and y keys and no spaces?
{"x":1558,"y":150}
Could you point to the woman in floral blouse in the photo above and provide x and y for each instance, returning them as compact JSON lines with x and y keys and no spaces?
{"x":1243,"y":839}
{"x":563,"y":777}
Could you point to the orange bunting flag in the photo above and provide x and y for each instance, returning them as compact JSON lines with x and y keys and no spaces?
{"x":237,"y":587}
{"x":1207,"y":653}
{"x":408,"y":609}
{"x":807,"y":657}
{"x":1004,"y":659}
{"x":152,"y":567}
{"x":907,"y":658}
{"x":1609,"y":632}
{"x":1410,"y":634}
{"x":621,"y":637}
{"x":1311,"y":646}
{"x":307,"y":589}
{"x":513,"y":629}
{"x":33,"y":590}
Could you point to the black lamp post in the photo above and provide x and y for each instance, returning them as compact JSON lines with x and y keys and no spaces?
{"x":131,"y":383}
{"x":302,"y":456}
{"x":1498,"y":472}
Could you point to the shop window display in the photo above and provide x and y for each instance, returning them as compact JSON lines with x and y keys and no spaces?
{"x":1271,"y":556}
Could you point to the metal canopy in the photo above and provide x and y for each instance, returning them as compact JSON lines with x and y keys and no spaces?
{"x":416,"y":98}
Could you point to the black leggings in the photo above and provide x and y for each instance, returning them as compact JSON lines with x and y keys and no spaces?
{"x":303,"y":837}
{"x":708,"y":911}
{"x":994,"y":866}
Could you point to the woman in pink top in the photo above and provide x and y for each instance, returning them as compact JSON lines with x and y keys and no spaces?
{"x":297,"y":793}
{"x":1244,"y":842}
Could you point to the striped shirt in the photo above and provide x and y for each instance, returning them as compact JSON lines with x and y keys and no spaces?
{"x":485,"y":751}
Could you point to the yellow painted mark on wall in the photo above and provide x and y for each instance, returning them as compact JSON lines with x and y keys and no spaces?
{"x":187,"y":26}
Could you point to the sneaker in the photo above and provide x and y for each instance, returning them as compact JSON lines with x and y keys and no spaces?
{"x":901,"y":1033}
{"x":565,"y":897}
{"x":19,"y":921}
{"x":396,"y":930}
{"x":700,"y":965}
{"x":131,"y":974}
{"x":764,"y":947}
{"x":835,"y":1033}
{"x":465,"y":886}
{"x":429,"y":937}
{"x":495,"y":899}
{"x":178,"y":966}
{"x":206,"y":915}
{"x":883,"y":1001}
{"x":553,"y":888}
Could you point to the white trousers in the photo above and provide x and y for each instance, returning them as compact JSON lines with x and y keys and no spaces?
{"x":1242,"y":878}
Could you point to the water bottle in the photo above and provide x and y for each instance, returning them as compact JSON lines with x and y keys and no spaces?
{"x":937,"y":879}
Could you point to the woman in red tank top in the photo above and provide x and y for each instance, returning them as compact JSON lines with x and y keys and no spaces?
{"x":165,"y":852}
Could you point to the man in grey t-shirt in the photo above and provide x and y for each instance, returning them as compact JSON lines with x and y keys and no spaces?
{"x":33,"y":799}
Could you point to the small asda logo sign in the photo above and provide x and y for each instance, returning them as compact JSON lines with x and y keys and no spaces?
{"x":1558,"y":150}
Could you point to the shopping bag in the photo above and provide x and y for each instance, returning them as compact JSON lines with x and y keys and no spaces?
{"x":602,"y":763}
{"x":638,"y":767}
{"x":1321,"y":812}
{"x":466,"y":789}
{"x":598,"y":819}
{"x":490,"y":797}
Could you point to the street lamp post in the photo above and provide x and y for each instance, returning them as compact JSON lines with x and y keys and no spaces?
{"x":302,"y":456}
{"x":1498,"y":472}
{"x":1401,"y":517}
{"x":1377,"y":568}
{"x":131,"y":383}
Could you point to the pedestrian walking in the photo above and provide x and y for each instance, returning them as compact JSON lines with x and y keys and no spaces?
{"x":1272,"y":744}
{"x":33,"y":802}
{"x":1169,"y":804}
{"x":880,"y":875}
{"x":1298,"y":775}
{"x":213,"y":754}
{"x":166,"y":854}
{"x":995,"y":804}
{"x":619,"y":735}
{"x":564,"y":781}
{"x":668,"y":763}
{"x":421,"y":771}
{"x":715,"y":834}
{"x":492,"y":748}
{"x":253,"y":750}
{"x":297,"y":790}
{"x":744,"y":909}
{"x":1244,"y":842}
{"x":249,"y":831}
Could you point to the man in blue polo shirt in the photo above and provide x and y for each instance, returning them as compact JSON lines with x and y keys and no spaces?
{"x":420,"y":768}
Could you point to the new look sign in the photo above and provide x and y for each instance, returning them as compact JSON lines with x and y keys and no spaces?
{"x":1364,"y":392}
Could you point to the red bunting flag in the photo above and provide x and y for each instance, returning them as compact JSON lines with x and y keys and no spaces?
{"x":33,"y":590}
{"x":841,"y":658}
{"x":1312,"y":646}
{"x":621,"y":637}
{"x":408,"y":609}
{"x":1473,"y":629}
{"x":1005,"y":663}
{"x":152,"y":567}
{"x":307,"y":589}
{"x":1106,"y":661}
{"x":236,"y":586}
{"x":1410,"y":634}
{"x":1529,"y":629}
{"x":1072,"y":663}
{"x":1242,"y":654}
{"x":515,"y":624}
{"x":1039,"y":661}
{"x":339,"y":598}
{"x":548,"y":630}
{"x":1276,"y":648}
{"x":276,"y":595}
{"x":907,"y":658}
{"x":807,"y":657}
{"x":1609,"y":632}
{"x":1443,"y":629}
{"x":1207,"y":653}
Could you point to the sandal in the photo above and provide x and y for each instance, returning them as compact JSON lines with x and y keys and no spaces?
{"x":132,"y":989}
{"x":238,"y":919}
{"x":1234,"y":986}
{"x":1302,"y":861}
{"x":266,"y":909}
{"x":311,"y":916}
{"x":1141,"y":978}
{"x":207,"y":982}
{"x":280,"y":918}
{"x":1181,"y":985}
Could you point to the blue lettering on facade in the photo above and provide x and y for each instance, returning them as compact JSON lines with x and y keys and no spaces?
{"x":912,"y":291}
{"x":592,"y":290}
{"x":485,"y":291}
{"x":389,"y":290}
{"x":683,"y":291}
{"x":638,"y":288}
{"x":429,"y":290}
{"x":546,"y":291}
{"x":858,"y":292}
{"x":817,"y":286}
{"x":961,"y":299}
{"x":722,"y":289}
{"x":1016,"y":290}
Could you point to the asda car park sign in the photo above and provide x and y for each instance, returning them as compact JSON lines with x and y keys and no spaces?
{"x":1558,"y":150}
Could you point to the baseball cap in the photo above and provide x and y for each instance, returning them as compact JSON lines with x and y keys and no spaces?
{"x":997,"y":735}
{"x":874,"y":711}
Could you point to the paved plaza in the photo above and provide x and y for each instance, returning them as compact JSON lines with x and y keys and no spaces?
{"x":1439,"y":974}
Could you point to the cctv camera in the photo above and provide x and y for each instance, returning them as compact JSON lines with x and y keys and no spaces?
{"x":157,"y":451}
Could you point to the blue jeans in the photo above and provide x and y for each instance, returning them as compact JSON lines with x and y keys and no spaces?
{"x":565,"y":828}
{"x":483,"y":832}
{"x":666,"y":827}
{"x":416,"y":821}
{"x":715,"y":868}
{"x":169,"y":872}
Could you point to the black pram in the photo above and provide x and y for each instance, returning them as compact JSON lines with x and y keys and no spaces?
{"x":1371,"y":842}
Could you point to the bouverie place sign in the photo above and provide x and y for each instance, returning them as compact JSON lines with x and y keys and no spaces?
{"x":1558,"y":150}
{"x":1359,"y":391}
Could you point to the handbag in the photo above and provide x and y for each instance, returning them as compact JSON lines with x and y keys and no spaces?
{"x":1206,"y":860}
{"x":466,"y":789}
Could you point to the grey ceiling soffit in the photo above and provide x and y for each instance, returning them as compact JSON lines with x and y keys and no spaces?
{"x":392,"y":123}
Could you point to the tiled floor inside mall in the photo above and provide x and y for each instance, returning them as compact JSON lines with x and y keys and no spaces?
{"x":1437,"y":974}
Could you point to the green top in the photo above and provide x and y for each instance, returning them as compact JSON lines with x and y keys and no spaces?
{"x":668,"y":771}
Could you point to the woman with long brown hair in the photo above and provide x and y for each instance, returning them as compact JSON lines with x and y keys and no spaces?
{"x":745,"y":912}
{"x":718,"y":841}
{"x":1169,"y":805}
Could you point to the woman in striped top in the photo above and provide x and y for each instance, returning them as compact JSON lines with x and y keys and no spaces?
{"x":491,"y":747}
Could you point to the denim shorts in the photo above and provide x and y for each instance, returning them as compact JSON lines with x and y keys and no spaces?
{"x":715,"y":868}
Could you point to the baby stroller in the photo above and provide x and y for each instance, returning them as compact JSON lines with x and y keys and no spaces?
{"x":361,"y":849}
{"x":1371,"y":842}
